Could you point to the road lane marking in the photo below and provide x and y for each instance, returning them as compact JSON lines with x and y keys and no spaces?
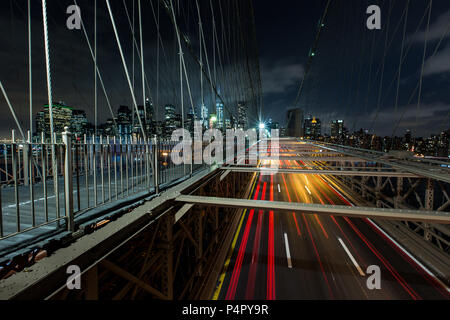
{"x":351,"y":257}
{"x":398,"y":245}
{"x":288,"y":252}
{"x":279,"y":189}
{"x":233,"y":245}
{"x":410,"y":256}
{"x":309,"y":191}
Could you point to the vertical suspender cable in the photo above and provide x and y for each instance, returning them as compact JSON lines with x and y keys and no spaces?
{"x":47,"y":65}
{"x":142,"y":62}
{"x":423,"y":63}
{"x":95,"y":69}
{"x":98,"y":71}
{"x":401,"y":57}
{"x":436,"y":49}
{"x":182,"y":67}
{"x":125,"y":67}
{"x":314,"y":48}
{"x":400,"y":67}
{"x":202,"y":39}
{"x":132,"y":44}
{"x":157,"y":63}
{"x":29,"y":67}
{"x":200,"y":34}
{"x":380,"y":89}
{"x":50,"y":107}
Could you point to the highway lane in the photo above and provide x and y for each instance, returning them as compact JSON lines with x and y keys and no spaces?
{"x":280,"y":255}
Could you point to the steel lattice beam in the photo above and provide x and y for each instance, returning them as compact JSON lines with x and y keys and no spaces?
{"x":360,"y":212}
{"x":326,"y":172}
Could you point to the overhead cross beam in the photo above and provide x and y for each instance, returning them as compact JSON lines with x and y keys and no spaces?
{"x":324,"y":172}
{"x":423,"y":170}
{"x":357,"y":212}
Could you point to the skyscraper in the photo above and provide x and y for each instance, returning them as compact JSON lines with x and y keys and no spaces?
{"x":219,"y":114}
{"x":150,"y":121}
{"x":137,"y":125}
{"x":316,"y":127}
{"x":313,"y":127}
{"x":78,"y":123}
{"x":337,"y":128}
{"x":190,"y":122}
{"x":229,"y":123}
{"x":242,"y":116}
{"x":62,"y":115}
{"x":408,"y":140}
{"x":170,"y":119}
{"x":124,"y":121}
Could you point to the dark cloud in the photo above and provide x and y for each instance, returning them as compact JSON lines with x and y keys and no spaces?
{"x":345,"y":77}
{"x":438,"y":29}
{"x":438,"y":64}
{"x":280,"y":76}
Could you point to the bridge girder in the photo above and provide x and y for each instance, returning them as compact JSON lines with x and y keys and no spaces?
{"x":359,"y":212}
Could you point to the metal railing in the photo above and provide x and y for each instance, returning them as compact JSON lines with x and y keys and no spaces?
{"x":45,"y":186}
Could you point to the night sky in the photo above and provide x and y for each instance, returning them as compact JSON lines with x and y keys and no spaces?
{"x":337,"y":86}
{"x":343,"y":83}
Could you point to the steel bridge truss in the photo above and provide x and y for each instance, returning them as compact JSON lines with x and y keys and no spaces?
{"x":174,"y":257}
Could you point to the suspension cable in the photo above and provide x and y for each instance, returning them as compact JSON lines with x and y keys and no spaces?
{"x":100,"y":78}
{"x":125,"y":68}
{"x":311,"y":56}
{"x":423,"y":63}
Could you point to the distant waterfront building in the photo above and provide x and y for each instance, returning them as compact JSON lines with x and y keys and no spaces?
{"x":109,"y":128}
{"x":124,"y":121}
{"x":150,"y":121}
{"x":62,"y":115}
{"x":170,"y":119}
{"x":316,"y":127}
{"x":337,"y":128}
{"x":137,"y":125}
{"x":442,"y":147}
{"x":307,"y":127}
{"x":178,"y":121}
{"x":312,"y":127}
{"x":408,"y":140}
{"x":228,"y":123}
{"x":190,"y":122}
{"x":242,"y":116}
{"x":78,"y":123}
{"x":159,"y":128}
{"x":294,"y":123}
{"x":219,"y":114}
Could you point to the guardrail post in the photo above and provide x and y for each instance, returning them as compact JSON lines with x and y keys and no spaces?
{"x":26,"y":160}
{"x":68,"y":183}
{"x":147,"y":142}
{"x":155,"y":164}
{"x":14,"y":149}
